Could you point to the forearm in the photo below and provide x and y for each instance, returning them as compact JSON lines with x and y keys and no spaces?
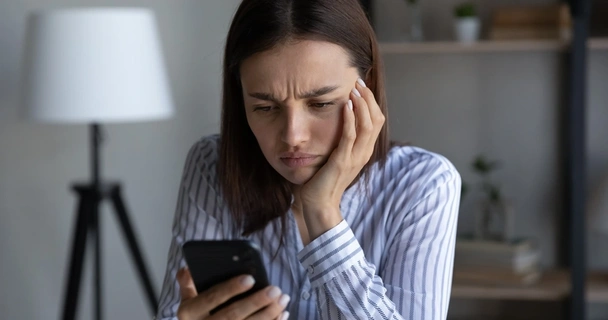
{"x":344,"y":283}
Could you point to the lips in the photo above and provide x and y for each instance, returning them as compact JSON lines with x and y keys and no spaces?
{"x":298,"y":159}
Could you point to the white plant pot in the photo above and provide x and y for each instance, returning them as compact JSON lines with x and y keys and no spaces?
{"x":467,"y":29}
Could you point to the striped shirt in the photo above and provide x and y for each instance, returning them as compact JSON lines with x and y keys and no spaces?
{"x":390,"y":258}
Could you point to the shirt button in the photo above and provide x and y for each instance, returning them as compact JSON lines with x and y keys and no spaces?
{"x":310,"y":270}
{"x":305,"y":295}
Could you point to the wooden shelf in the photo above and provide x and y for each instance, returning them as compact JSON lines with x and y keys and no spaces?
{"x":485,"y":46}
{"x":553,"y":286}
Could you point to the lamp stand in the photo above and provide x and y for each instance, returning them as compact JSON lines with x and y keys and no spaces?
{"x":87,"y":226}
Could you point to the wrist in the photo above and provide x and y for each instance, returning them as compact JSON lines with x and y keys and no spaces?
{"x":320,"y":219}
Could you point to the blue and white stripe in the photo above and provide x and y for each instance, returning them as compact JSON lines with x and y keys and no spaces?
{"x":391,"y":257}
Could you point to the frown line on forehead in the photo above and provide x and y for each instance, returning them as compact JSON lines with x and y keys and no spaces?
{"x":314,"y":93}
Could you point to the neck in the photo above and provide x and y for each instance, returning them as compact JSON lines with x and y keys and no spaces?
{"x":296,"y":206}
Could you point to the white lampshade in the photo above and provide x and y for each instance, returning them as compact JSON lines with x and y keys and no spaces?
{"x":91,"y":65}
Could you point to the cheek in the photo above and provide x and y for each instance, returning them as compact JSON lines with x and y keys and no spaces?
{"x":330,"y":130}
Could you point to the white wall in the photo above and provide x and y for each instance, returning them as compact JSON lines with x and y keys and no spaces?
{"x":38,"y":162}
{"x":502,"y":104}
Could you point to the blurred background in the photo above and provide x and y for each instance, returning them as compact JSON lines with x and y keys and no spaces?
{"x":461,"y":102}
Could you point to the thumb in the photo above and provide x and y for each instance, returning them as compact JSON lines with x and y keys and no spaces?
{"x":187,"y":289}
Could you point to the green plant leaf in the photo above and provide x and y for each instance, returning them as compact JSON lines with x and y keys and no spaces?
{"x":483,"y":166}
{"x":466,"y":9}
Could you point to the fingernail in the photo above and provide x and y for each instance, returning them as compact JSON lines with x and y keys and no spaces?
{"x":274,"y":292}
{"x":284,"y":300}
{"x":285,"y":315}
{"x":360,"y":81}
{"x":350,"y":104}
{"x":356,"y":92}
{"x":247,"y":281}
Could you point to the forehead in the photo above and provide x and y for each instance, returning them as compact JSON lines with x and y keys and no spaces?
{"x":306,"y":60}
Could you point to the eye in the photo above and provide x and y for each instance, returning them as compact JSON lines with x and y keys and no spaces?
{"x":262,"y":109}
{"x":321,"y":105}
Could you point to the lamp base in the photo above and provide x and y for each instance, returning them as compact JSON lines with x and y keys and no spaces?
{"x":87,"y":225}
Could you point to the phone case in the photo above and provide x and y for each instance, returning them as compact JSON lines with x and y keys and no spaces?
{"x":212,"y":262}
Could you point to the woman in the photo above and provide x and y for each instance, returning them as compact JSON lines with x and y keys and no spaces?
{"x":349,"y":227}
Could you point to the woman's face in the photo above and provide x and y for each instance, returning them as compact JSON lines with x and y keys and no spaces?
{"x":294,"y":97}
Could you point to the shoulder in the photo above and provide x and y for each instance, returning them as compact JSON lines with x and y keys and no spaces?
{"x":414,"y":173}
{"x":202,"y":158}
{"x":420,"y":163}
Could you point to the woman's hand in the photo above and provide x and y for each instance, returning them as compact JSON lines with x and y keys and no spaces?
{"x":321,"y":195}
{"x":267,"y":303}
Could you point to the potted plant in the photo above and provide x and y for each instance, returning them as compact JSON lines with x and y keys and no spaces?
{"x":494,"y":219}
{"x":467,"y":24}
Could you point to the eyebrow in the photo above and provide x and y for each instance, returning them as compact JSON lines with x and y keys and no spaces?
{"x":306,"y":95}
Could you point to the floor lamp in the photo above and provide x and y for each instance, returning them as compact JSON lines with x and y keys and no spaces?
{"x":93,"y":66}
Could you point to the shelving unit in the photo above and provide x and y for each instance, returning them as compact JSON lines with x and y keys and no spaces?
{"x":577,"y":286}
{"x":485,"y":46}
{"x":553,"y":286}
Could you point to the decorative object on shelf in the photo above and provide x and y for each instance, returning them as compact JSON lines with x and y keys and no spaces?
{"x":467,"y":24}
{"x":414,"y":18}
{"x":494,"y":218}
{"x":92,"y":66}
{"x":531,"y":22}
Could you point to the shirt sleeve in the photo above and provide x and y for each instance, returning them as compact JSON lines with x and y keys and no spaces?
{"x":195,"y":218}
{"x":414,"y":283}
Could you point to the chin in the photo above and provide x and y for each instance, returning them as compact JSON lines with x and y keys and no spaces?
{"x":299,"y":177}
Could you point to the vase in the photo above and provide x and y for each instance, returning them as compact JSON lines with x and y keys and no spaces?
{"x":467,"y":29}
{"x":414,"y":17}
{"x":494,"y":221}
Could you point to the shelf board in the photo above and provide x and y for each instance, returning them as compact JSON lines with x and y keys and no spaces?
{"x":597,"y":287}
{"x":553,"y":286}
{"x":484,"y":46}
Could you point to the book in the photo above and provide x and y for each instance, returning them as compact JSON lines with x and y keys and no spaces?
{"x":517,"y":255}
{"x":467,"y":244}
{"x":495,"y":276}
{"x":516,"y":263}
{"x":531,"y":22}
{"x":532,"y":15}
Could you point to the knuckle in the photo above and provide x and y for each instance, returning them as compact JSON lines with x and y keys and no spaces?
{"x":213,"y":295}
{"x":381,"y":118}
{"x":182,"y":313}
{"x":350,"y":136}
{"x":367,"y":127}
{"x":231,"y":313}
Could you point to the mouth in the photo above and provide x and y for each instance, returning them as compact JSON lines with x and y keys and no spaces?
{"x":297,"y":159}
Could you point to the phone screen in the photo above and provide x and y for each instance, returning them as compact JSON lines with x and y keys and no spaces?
{"x":212,"y":262}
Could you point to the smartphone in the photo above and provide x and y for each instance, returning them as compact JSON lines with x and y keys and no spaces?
{"x":212,"y":262}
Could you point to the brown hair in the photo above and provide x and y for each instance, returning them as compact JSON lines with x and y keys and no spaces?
{"x":253,"y":191}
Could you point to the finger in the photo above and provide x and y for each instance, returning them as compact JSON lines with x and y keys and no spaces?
{"x":218,"y":294}
{"x":376,"y":114}
{"x":364,"y":123}
{"x":187,"y":290}
{"x":274,"y":311}
{"x":349,"y":132}
{"x":246,"y":307}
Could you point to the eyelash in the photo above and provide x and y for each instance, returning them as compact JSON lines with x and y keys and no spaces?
{"x":317,"y":105}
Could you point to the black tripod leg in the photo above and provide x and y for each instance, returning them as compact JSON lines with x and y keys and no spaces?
{"x":77,"y":258}
{"x":95,"y":234}
{"x":127,"y":229}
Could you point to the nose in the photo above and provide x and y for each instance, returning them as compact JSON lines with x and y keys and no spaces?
{"x":295,"y":128}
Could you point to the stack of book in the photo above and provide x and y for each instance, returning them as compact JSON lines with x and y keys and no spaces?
{"x":531,"y":22}
{"x":515,"y":262}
